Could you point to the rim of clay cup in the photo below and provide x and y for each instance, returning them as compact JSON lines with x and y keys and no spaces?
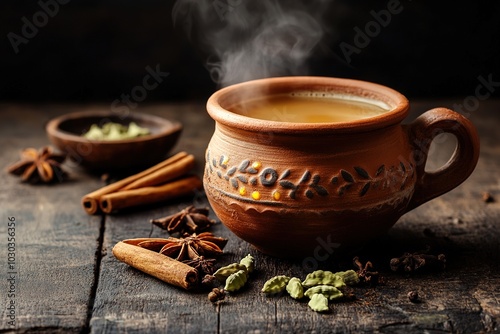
{"x":217,"y":103}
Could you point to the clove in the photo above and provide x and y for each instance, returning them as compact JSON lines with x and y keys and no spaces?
{"x":412,"y":262}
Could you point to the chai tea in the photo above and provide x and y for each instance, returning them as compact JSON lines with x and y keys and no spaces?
{"x":310,"y":108}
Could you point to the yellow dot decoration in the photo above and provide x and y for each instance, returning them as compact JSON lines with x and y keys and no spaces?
{"x":225,"y":160}
{"x":243,"y":191}
{"x":256,"y":195}
{"x":256,"y":165}
{"x":276,"y":195}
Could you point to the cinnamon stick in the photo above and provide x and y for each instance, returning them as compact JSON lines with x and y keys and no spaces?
{"x":163,"y":175}
{"x":91,"y":201}
{"x":160,"y":266}
{"x":148,"y":195}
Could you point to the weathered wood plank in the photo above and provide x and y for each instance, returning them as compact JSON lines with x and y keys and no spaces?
{"x":55,"y":241}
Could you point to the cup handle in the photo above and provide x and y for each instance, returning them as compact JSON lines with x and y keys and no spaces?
{"x":421,"y":132}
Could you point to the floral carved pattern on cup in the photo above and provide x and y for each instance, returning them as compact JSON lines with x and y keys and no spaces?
{"x":247,"y":176}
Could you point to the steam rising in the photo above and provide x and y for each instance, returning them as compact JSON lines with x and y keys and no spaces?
{"x":250,"y":39}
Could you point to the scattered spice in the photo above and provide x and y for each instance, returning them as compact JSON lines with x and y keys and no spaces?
{"x":249,"y":262}
{"x":43,"y":165}
{"x":320,"y":277}
{"x":275,"y":285}
{"x":328,"y":291}
{"x":235,"y":275}
{"x":190,"y":219}
{"x":318,"y":303}
{"x":295,"y":288}
{"x":413,"y":296}
{"x":319,"y":286}
{"x":365,"y":272}
{"x":194,"y":245}
{"x":209,"y":281}
{"x":457,"y":221}
{"x":411,"y":262}
{"x":189,"y":247}
{"x":488,"y":198}
{"x":223,"y":273}
{"x":149,"y":256}
{"x":216,"y":295}
{"x":115,"y":131}
{"x":203,"y":265}
{"x":236,"y":281}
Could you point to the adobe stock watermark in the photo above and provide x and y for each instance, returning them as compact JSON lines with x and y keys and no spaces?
{"x":12,"y":273}
{"x":30,"y":28}
{"x":423,"y":149}
{"x":322,"y":252}
{"x":121,"y":107}
{"x":483,"y":91}
{"x":371,"y":30}
{"x":223,"y":7}
{"x":139,"y":93}
{"x":277,"y":115}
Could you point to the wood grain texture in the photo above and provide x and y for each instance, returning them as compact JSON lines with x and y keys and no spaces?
{"x":58,"y":243}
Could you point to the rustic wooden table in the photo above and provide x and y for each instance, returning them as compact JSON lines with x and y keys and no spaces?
{"x":64,"y":278}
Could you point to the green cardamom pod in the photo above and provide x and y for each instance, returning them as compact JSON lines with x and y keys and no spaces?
{"x":318,"y":303}
{"x":294,"y":288}
{"x":236,"y":281}
{"x":350,"y":277}
{"x":248,"y":261}
{"x":328,"y":291}
{"x":320,"y":277}
{"x":275,"y":284}
{"x":222,"y":273}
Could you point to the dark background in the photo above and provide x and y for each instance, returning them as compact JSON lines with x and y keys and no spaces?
{"x":98,"y":50}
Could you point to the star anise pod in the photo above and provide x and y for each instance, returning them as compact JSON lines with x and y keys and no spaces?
{"x":39,"y":166}
{"x":187,"y":248}
{"x":192,"y":246}
{"x":202,"y":264}
{"x":190,"y":219}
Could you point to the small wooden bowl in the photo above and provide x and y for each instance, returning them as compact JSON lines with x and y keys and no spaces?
{"x":66,"y":132}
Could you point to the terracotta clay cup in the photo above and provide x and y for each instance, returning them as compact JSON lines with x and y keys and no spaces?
{"x":308,"y":189}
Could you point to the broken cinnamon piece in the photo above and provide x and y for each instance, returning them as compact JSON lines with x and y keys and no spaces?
{"x":160,"y":266}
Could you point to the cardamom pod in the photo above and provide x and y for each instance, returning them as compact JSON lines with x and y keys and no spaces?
{"x":222,"y":273}
{"x":350,"y":277}
{"x":248,"y":261}
{"x":236,"y":281}
{"x":275,"y":284}
{"x":320,"y":277}
{"x":318,"y":303}
{"x":294,"y":288}
{"x":328,"y":291}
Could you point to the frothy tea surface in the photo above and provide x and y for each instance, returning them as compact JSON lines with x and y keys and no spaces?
{"x":308,"y":109}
